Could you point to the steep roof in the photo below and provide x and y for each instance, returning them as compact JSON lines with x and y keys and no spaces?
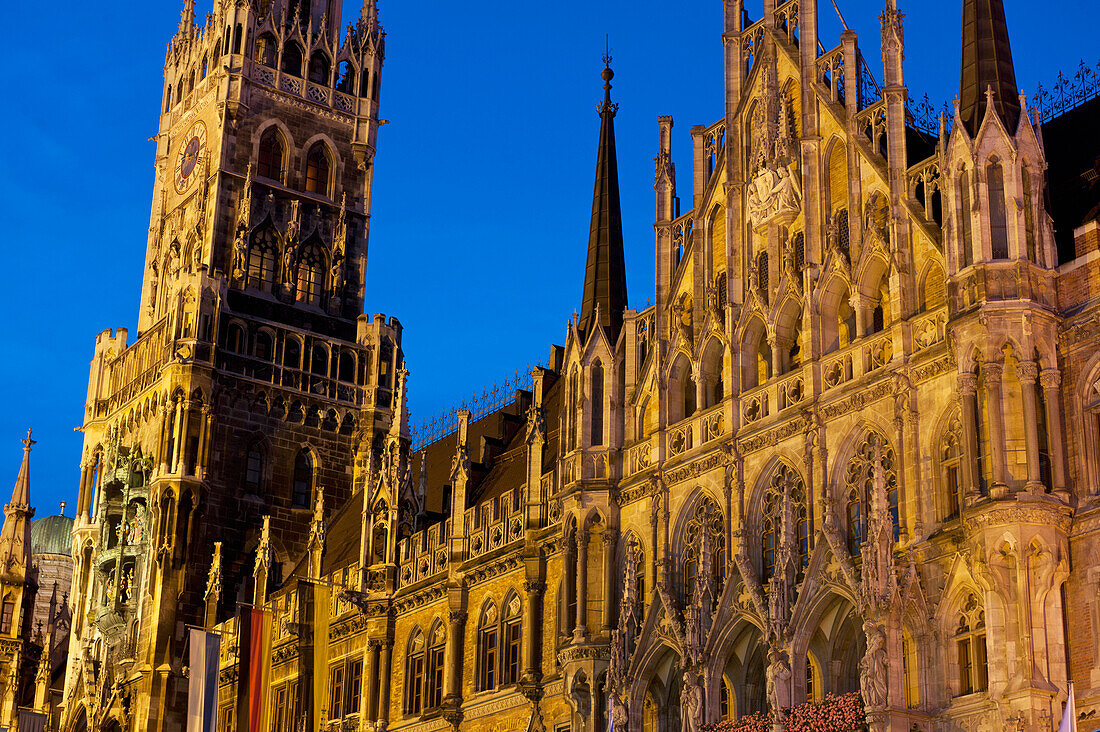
{"x":15,"y":536}
{"x":987,"y":63}
{"x":605,"y":269}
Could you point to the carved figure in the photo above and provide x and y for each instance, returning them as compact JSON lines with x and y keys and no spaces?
{"x":691,"y":708}
{"x":775,"y":195}
{"x":872,"y":669}
{"x":240,"y":253}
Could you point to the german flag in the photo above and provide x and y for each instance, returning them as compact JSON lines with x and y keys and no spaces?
{"x":254,"y":644}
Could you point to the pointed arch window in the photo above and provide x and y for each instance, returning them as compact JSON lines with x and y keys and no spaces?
{"x":317,"y":170}
{"x":970,"y":648}
{"x":704,"y":545}
{"x":1029,"y":216}
{"x":345,"y":80}
{"x":785,"y":488}
{"x":998,"y":220}
{"x":597,"y":404}
{"x":433,"y":690}
{"x":513,"y":640}
{"x":302,"y":480}
{"x":414,"y":673}
{"x":319,"y":68}
{"x":266,"y":50}
{"x":272,"y":153}
{"x":950,"y":466}
{"x":310,"y":276}
{"x":292,"y":59}
{"x":859,"y":482}
{"x":261,"y":259}
{"x":966,"y":237}
{"x":488,"y":648}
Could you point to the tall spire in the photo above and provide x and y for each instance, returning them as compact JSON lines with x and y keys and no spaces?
{"x":15,"y":537}
{"x":605,"y":270}
{"x":987,"y":63}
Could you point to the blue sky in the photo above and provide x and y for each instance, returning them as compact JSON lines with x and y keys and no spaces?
{"x":483,"y":180}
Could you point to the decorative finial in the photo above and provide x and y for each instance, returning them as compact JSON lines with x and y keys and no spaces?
{"x":607,"y":75}
{"x":63,"y":504}
{"x":27,"y":441}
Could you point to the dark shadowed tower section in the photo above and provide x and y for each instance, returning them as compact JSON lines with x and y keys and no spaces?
{"x":605,"y":271}
{"x":987,"y":63}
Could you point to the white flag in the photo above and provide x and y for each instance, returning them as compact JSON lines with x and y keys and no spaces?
{"x":1069,"y":717}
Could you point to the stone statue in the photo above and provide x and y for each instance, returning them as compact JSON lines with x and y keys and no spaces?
{"x":617,"y":711}
{"x":154,"y":280}
{"x":240,"y":253}
{"x":872,"y":669}
{"x":685,"y":318}
{"x":778,"y":674}
{"x":691,"y":704}
{"x":337,"y":273}
{"x":288,"y":264}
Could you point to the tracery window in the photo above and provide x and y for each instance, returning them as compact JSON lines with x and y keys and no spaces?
{"x":261,"y":259}
{"x":973,"y":668}
{"x":966,"y":243}
{"x":998,"y":220}
{"x":433,"y":692}
{"x":488,"y":648}
{"x":950,"y":467}
{"x":597,"y":404}
{"x":310,"y":276}
{"x":513,"y":638}
{"x":859,"y":480}
{"x":706,"y":520}
{"x":785,"y":485}
{"x":414,"y":673}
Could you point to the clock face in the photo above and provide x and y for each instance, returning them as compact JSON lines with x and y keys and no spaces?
{"x":193,"y":150}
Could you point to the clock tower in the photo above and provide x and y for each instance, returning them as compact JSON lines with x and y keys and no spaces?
{"x":254,"y":383}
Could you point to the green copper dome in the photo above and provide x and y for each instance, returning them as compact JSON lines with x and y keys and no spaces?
{"x":52,"y":535}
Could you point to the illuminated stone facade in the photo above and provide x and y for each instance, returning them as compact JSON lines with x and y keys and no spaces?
{"x":853,"y":447}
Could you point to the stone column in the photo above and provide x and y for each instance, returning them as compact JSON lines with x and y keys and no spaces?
{"x":370,"y":688}
{"x":173,"y":463}
{"x":610,"y":536}
{"x":452,"y":673}
{"x":162,"y":447}
{"x":385,"y":673}
{"x":1027,"y":372}
{"x":968,"y":390}
{"x":777,"y":355}
{"x":1051,"y":381}
{"x":532,"y":658}
{"x":200,"y":449}
{"x":858,"y":303}
{"x":84,"y":504}
{"x":991,"y":374}
{"x":580,"y":629}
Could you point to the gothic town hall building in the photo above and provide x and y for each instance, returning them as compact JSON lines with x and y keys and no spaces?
{"x":853,"y":447}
